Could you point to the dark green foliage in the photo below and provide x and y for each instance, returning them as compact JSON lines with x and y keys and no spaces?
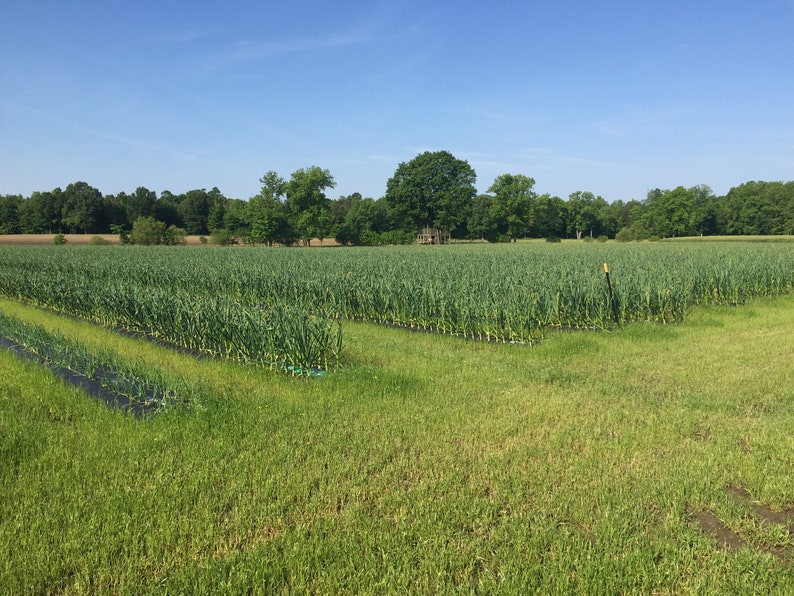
{"x":358,"y":220}
{"x":549,"y":217}
{"x":582,"y":211}
{"x":434,"y":189}
{"x":266,"y":213}
{"x":512,"y":206}
{"x":9,"y":214}
{"x":194,"y":210}
{"x":481,"y":223}
{"x":760,"y":208}
{"x":41,"y":213}
{"x":223,"y":237}
{"x":167,"y":209}
{"x":139,"y":204}
{"x":149,"y":231}
{"x":671,"y":214}
{"x":308,"y":207}
{"x":82,"y":208}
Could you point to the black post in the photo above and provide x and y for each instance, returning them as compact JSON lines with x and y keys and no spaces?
{"x":612,"y":296}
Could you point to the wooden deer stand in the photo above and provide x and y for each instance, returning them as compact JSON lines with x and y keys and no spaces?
{"x":433,"y":236}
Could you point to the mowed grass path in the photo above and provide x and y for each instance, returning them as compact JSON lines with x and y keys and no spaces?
{"x":428,"y":464}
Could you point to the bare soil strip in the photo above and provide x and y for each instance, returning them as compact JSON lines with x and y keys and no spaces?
{"x":113,"y":239}
{"x":71,"y":238}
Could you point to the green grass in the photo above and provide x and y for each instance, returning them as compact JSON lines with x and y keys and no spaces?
{"x":426,"y":464}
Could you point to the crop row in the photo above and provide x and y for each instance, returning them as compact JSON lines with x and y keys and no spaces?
{"x":278,"y":335}
{"x":141,"y":388}
{"x":287,"y":304}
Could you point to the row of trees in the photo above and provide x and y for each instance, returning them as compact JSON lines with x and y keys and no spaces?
{"x":435,"y":189}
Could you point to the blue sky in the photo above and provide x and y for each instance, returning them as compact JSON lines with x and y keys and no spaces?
{"x":614,"y":98}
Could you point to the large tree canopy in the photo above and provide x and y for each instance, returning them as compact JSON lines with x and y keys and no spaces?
{"x":82,"y":208}
{"x":308,"y":205}
{"x":434,"y":189}
{"x":582,"y":210}
{"x":513,"y":204}
{"x":758,"y":207}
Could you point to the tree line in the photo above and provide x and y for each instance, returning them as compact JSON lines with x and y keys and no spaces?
{"x":434,"y":190}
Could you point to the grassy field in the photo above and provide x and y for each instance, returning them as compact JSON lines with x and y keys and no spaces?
{"x":427,"y":464}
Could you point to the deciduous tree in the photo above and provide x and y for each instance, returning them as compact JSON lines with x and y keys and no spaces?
{"x":481,"y":224}
{"x":9,"y":213}
{"x":266,"y":212}
{"x":760,"y":208}
{"x":513,"y":203}
{"x":307,"y":203}
{"x":671,"y":214}
{"x":42,"y":212}
{"x":549,"y":217}
{"x":582,"y":210}
{"x":82,"y":207}
{"x":435,"y":189}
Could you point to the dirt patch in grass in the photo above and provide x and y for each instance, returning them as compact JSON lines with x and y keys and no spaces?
{"x":711,"y":525}
{"x":770,"y":516}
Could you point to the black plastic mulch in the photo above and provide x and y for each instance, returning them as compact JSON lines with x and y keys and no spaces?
{"x":92,"y":387}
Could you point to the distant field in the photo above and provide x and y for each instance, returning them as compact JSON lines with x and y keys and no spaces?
{"x":34,"y":239}
{"x":195,"y":240}
{"x":788,"y":238}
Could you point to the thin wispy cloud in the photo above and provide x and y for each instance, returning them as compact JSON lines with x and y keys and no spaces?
{"x":379,"y":25}
{"x":642,"y":121}
{"x":244,"y":50}
{"x":58,"y":122}
{"x":148,"y":146}
{"x":256,"y":50}
{"x":181,"y":36}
